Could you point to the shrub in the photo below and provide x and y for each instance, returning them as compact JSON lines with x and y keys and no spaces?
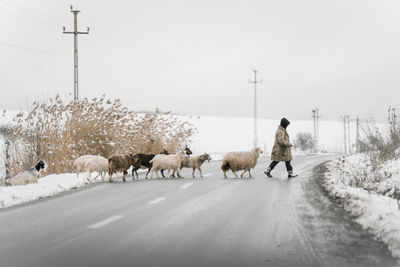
{"x":59,"y":132}
{"x":304,"y":141}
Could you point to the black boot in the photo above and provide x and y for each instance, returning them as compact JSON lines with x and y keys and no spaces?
{"x":268,"y":172}
{"x":291,"y":174}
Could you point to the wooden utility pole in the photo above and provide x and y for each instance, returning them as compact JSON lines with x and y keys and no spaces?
{"x":75,"y":33}
{"x":255,"y":106}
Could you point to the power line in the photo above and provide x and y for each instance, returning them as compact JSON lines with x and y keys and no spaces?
{"x":31,"y":10}
{"x":30,"y":19}
{"x":35,"y":49}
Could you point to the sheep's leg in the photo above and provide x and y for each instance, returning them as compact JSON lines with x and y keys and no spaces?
{"x":241,"y":176}
{"x":179,"y":173}
{"x":250,"y":174}
{"x":235,"y":174}
{"x":103,"y":174}
{"x":89,"y":175}
{"x":201,"y":174}
{"x":148,"y":170}
{"x":110,"y":176}
{"x":225,"y":174}
{"x":123,"y":175}
{"x":193,"y":171}
{"x":158,"y":177}
{"x":152,"y":171}
{"x":162,"y":173}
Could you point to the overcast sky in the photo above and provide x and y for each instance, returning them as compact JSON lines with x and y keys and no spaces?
{"x":196,"y":57}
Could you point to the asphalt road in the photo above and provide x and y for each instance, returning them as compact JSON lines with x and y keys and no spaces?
{"x":191,"y":222}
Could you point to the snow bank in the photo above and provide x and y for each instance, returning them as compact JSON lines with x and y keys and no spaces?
{"x":372,"y":202}
{"x":46,"y":187}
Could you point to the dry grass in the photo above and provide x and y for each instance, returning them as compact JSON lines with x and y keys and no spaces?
{"x":59,"y":132}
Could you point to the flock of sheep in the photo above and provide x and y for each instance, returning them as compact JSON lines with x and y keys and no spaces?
{"x":234,"y":161}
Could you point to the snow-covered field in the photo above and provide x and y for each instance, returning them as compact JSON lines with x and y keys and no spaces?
{"x":222,"y":134}
{"x":368,"y":194}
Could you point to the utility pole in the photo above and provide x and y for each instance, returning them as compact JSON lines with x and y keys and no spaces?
{"x":357,"y":135}
{"x":316,"y":129}
{"x":345,"y":134}
{"x":348,"y":134}
{"x":75,"y":33}
{"x":255,"y":106}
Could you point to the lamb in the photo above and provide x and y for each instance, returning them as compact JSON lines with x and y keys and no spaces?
{"x":28,"y":176}
{"x":121,"y":163}
{"x":98,"y":164}
{"x":167,"y":162}
{"x":80,"y":163}
{"x":194,"y":162}
{"x":243,"y":160}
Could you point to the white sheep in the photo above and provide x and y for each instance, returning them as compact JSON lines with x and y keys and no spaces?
{"x":194,"y":162}
{"x":243,"y":160}
{"x":167,"y":162}
{"x":28,"y":176}
{"x":80,"y":163}
{"x":97,"y":164}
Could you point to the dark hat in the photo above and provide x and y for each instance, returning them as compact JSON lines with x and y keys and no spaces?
{"x":285,"y":122}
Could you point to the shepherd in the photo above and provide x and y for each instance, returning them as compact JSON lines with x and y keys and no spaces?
{"x":281,"y":150}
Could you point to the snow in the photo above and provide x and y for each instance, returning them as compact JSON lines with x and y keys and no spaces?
{"x":46,"y":187}
{"x":368,"y":194}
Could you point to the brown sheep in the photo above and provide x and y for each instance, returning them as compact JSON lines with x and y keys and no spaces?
{"x":121,"y":163}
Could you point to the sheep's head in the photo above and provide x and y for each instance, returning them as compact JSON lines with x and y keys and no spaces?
{"x":40,"y":165}
{"x":257,"y":150}
{"x":182,"y":154}
{"x":165,"y":152}
{"x":205,"y":157}
{"x":134,"y":159}
{"x":188,"y":151}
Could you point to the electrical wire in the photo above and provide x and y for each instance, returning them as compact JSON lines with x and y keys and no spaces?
{"x":30,"y":19}
{"x":31,"y":10}
{"x":35,"y":49}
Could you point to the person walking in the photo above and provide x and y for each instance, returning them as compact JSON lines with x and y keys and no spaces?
{"x":281,"y":150}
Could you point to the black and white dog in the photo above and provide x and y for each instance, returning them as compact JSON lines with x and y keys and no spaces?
{"x":28,"y":176}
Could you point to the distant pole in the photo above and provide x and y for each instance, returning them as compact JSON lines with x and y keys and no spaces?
{"x":345,"y":135}
{"x":357,"y":135}
{"x":75,"y":33}
{"x":348,"y":134}
{"x":255,"y":105}
{"x":316,"y":129}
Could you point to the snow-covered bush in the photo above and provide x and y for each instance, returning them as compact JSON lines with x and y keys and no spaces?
{"x":304,"y":141}
{"x":59,"y":132}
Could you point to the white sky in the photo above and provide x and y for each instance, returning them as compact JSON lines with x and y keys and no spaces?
{"x":196,"y":57}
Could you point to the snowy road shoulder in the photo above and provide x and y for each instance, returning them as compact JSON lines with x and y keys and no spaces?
{"x":377,"y":213}
{"x":47,"y":186}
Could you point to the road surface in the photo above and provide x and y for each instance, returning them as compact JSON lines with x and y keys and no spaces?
{"x":191,"y":222}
